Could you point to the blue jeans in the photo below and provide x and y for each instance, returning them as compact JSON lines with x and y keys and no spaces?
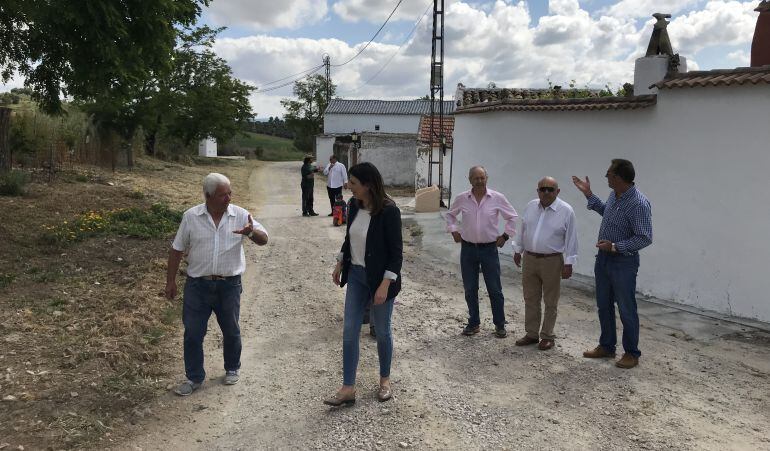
{"x":616,"y":284}
{"x":471,"y":257}
{"x":356,"y":299}
{"x":201,"y":297}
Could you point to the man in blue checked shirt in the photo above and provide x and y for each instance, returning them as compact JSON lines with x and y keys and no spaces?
{"x":626,"y":229}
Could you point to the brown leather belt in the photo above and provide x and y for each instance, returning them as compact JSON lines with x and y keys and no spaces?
{"x":537,"y":255}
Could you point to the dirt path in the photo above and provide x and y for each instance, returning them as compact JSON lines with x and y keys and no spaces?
{"x":450,"y":391}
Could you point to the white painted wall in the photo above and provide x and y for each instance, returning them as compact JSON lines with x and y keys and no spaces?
{"x":324,"y":147}
{"x":207,"y":147}
{"x":423,"y":163}
{"x":394,"y":155}
{"x":702,"y":157}
{"x":389,"y":123}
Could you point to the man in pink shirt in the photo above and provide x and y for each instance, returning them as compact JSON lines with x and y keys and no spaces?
{"x":479,"y":236}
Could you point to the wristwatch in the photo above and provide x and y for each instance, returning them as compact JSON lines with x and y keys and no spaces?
{"x":505,"y":236}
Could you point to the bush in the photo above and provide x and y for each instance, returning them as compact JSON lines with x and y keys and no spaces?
{"x":13,"y":183}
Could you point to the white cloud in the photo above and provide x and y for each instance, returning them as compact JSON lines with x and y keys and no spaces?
{"x":267,"y":14}
{"x":741,"y":57}
{"x":645,"y":8}
{"x":721,"y":22}
{"x":378,"y":10}
{"x":493,"y":42}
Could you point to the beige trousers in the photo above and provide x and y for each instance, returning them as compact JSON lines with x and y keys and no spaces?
{"x":541,"y":279}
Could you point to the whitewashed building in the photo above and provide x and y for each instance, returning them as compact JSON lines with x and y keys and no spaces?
{"x":700,"y":142}
{"x":386,"y":132}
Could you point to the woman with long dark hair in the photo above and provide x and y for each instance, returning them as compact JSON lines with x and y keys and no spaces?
{"x":370,"y":264}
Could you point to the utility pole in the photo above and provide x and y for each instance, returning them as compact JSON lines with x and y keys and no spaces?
{"x":327,"y":63}
{"x":437,"y":88}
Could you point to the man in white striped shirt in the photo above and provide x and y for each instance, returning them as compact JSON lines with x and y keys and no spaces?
{"x":212,"y":235}
{"x":548,"y":240}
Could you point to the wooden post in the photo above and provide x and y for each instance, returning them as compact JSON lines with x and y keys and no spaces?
{"x":6,"y":157}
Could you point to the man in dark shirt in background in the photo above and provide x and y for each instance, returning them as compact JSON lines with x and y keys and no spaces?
{"x":307,"y":185}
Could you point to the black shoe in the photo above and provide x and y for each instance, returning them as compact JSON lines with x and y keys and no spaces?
{"x":500,"y":332}
{"x":305,"y":214}
{"x":470,"y":330}
{"x":372,"y":332}
{"x":330,"y":214}
{"x":312,"y":213}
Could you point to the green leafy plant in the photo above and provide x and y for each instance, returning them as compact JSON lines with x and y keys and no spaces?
{"x":13,"y":183}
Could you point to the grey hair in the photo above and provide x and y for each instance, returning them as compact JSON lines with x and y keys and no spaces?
{"x":470,"y":171}
{"x":212,"y":181}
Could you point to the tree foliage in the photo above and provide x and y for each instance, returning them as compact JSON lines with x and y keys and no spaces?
{"x":89,"y":49}
{"x":304,"y":115}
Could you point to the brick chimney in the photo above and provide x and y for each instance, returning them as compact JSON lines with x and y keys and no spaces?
{"x":760,"y":47}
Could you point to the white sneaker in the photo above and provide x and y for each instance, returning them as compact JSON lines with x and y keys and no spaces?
{"x":231,"y":377}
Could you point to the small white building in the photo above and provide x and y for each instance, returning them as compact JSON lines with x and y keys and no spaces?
{"x":387,"y":132}
{"x":700,"y":142}
{"x":207,"y":147}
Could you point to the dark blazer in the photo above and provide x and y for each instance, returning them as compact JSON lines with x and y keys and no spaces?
{"x":384,"y":247}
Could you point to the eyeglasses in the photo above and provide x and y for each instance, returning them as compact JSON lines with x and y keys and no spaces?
{"x":546,"y":189}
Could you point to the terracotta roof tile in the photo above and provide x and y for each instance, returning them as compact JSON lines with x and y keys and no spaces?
{"x":449,"y":126}
{"x":583,"y":104}
{"x":721,"y":77}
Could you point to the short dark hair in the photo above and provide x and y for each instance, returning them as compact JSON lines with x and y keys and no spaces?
{"x":369,"y":176}
{"x":307,"y":160}
{"x":623,"y":169}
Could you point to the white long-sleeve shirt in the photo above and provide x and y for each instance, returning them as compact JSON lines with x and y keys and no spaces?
{"x":337,"y":174}
{"x":548,"y":230}
{"x":212,"y":250}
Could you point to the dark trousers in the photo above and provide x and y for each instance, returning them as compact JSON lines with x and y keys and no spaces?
{"x":333,"y":192}
{"x":471,"y":257}
{"x":307,"y":198}
{"x":201,"y":297}
{"x":616,"y":284}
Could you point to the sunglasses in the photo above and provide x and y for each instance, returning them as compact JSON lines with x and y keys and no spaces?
{"x":546,"y":189}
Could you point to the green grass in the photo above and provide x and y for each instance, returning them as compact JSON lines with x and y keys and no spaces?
{"x":273,"y":148}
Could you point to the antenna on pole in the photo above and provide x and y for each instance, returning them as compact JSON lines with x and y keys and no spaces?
{"x":437,"y":88}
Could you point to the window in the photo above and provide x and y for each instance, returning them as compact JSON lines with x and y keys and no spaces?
{"x":376,"y":127}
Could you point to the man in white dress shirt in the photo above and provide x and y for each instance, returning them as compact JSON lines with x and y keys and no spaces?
{"x":337,"y":179}
{"x":548,"y":240}
{"x":212,"y":235}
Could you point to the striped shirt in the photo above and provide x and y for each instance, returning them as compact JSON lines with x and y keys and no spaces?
{"x":212,"y":250}
{"x":626,"y":220}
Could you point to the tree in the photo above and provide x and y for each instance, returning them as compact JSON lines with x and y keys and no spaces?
{"x":304,"y":116}
{"x":87,"y":50}
{"x":196,"y":98}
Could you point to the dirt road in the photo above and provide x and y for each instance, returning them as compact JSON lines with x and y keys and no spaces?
{"x":451,"y":391}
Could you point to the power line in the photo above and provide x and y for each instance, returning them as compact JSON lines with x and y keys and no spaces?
{"x":396,"y":52}
{"x":290,"y":76}
{"x":290,"y":81}
{"x":373,"y":37}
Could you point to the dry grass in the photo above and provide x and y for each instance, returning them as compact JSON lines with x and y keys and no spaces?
{"x":86,"y":337}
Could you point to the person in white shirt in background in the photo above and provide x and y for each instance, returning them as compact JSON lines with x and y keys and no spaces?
{"x":212,"y":235}
{"x":337,"y":179}
{"x":548,"y":242}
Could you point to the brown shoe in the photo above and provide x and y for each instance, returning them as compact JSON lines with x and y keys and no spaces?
{"x":525,"y":341}
{"x":545,"y":344}
{"x":598,"y":353}
{"x":384,"y":393}
{"x":338,"y":400}
{"x":627,"y":362}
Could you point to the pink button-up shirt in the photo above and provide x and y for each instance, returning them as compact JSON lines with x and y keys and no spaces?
{"x":480,"y":222}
